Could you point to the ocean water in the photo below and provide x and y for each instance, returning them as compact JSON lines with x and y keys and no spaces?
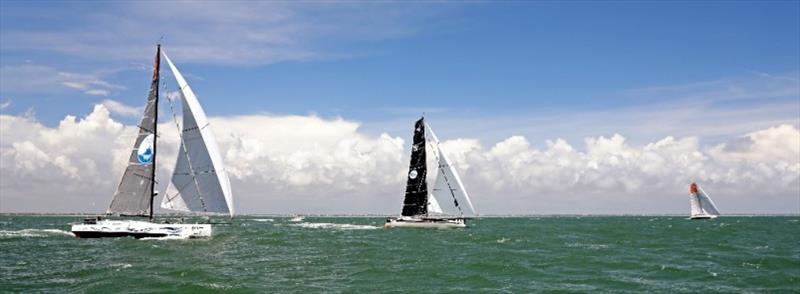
{"x":339,"y":254}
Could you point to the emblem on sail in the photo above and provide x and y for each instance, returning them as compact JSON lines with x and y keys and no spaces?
{"x":144,"y":152}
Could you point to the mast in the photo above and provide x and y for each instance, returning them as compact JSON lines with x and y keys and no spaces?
{"x":155,"y":130}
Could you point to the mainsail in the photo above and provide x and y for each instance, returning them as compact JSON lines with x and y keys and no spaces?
{"x":134,"y":195}
{"x":416,"y":200}
{"x":199,"y":182}
{"x":448,"y":190}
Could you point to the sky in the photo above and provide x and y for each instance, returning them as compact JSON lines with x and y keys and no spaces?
{"x":544,"y":107}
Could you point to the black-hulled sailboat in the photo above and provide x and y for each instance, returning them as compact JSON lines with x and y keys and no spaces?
{"x":199,"y":183}
{"x":447,"y":205}
{"x":702,"y":207}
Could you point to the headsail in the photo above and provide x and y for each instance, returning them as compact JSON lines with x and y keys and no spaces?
{"x":448,"y":188}
{"x":199,"y":182}
{"x":433,"y":205}
{"x":134,"y":194}
{"x":706,"y":203}
{"x":416,"y":200}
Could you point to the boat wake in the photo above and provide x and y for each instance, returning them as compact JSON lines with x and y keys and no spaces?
{"x":34,"y":233}
{"x":182,"y":237}
{"x":335,"y":226}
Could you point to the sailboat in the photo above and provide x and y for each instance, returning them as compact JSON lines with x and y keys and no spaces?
{"x":447,"y":205}
{"x":199,"y":183}
{"x":702,"y":205}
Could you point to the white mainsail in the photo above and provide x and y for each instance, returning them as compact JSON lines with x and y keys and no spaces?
{"x":199,"y":182}
{"x":695,"y":205}
{"x":448,"y":190}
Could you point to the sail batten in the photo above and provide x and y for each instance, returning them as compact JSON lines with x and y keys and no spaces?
{"x":199,"y":182}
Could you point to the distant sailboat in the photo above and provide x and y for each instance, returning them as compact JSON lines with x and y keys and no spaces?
{"x":199,"y":182}
{"x":447,"y":205}
{"x":702,"y":205}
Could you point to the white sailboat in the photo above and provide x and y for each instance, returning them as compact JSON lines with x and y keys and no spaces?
{"x":702,"y":207}
{"x":447,"y":205}
{"x":199,"y":182}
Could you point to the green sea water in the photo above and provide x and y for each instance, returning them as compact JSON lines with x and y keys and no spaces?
{"x":339,"y":254}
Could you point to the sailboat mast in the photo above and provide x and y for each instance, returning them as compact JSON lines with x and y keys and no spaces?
{"x":155,"y":130}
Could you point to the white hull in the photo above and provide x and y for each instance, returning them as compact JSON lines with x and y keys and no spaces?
{"x":139,"y":229}
{"x":434,"y":223}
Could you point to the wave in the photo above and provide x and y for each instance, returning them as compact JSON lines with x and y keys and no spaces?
{"x":335,"y":226}
{"x":34,"y":233}
{"x":263,"y":220}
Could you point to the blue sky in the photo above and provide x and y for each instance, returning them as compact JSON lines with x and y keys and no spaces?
{"x":471,"y":58}
{"x":480,"y":70}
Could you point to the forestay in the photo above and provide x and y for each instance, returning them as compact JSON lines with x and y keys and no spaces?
{"x":199,"y":182}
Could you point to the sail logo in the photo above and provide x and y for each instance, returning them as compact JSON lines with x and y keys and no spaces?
{"x":144,"y":152}
{"x":413,"y":174}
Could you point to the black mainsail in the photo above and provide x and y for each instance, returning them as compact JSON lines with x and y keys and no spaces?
{"x":134,"y":195}
{"x":416,"y":201}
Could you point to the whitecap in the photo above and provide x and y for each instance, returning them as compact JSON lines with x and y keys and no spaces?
{"x":263,"y":220}
{"x":335,"y":226}
{"x":34,"y":233}
{"x":121,"y":266}
{"x":587,"y":246}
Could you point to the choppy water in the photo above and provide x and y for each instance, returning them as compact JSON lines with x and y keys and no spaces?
{"x":526,"y":254}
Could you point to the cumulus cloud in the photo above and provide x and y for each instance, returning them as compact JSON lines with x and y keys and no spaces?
{"x":308,"y":164}
{"x":122,"y":109}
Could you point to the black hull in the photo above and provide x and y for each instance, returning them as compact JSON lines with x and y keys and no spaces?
{"x":701,"y":218}
{"x":84,"y":235}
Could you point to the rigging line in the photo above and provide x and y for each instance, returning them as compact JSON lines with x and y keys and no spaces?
{"x":444,"y":176}
{"x":186,"y":153}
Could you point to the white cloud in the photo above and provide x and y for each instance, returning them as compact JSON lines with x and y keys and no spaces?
{"x":286,"y":164}
{"x":122,"y":109}
{"x":5,"y":104}
{"x":713,"y":110}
